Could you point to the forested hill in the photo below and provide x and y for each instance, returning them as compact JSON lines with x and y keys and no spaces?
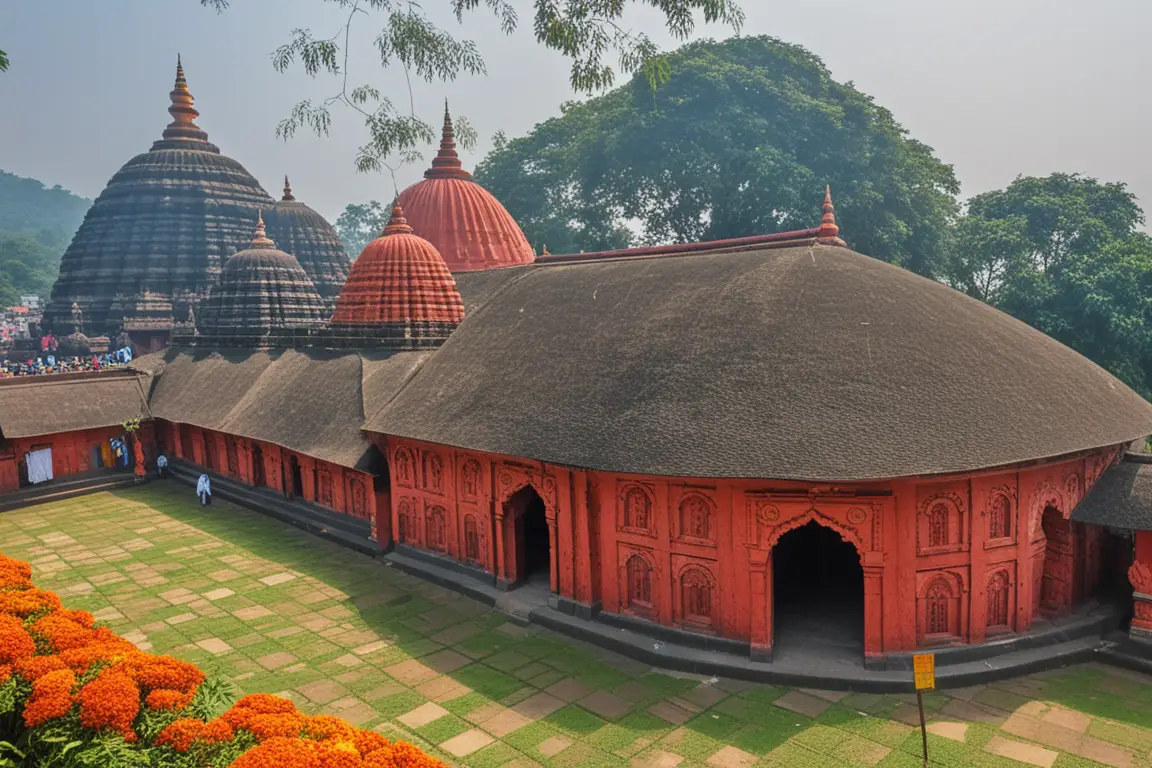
{"x":36,"y":225}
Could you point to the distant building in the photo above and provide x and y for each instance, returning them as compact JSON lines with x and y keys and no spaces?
{"x":31,"y":301}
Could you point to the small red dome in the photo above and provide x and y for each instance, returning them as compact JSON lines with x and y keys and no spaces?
{"x":399,"y":278}
{"x":469,"y":226}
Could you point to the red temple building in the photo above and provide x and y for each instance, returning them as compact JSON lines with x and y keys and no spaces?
{"x":771,"y":456}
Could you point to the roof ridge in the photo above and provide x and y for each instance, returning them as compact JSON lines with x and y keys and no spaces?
{"x":794,"y":237}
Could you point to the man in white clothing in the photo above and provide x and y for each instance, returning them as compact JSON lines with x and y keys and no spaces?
{"x":204,"y":490}
{"x":162,"y":465}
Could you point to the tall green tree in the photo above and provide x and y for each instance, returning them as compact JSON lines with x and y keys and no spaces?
{"x":360,"y":224}
{"x":739,"y":141}
{"x":587,"y":32}
{"x":1064,"y":254}
{"x":36,"y":225}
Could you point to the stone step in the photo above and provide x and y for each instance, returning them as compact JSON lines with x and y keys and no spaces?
{"x":66,"y":488}
{"x":355,"y":535}
{"x":811,"y":670}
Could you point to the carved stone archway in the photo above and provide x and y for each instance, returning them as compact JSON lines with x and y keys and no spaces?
{"x":507,"y":516}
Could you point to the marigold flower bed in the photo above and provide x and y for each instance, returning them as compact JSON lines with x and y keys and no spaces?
{"x":73,"y":693}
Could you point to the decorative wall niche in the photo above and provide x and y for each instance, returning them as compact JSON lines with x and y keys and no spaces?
{"x":324,"y":488}
{"x":403,"y":467}
{"x":940,"y":524}
{"x":938,"y":609}
{"x":638,"y":582}
{"x":1001,"y":514}
{"x":695,"y":598}
{"x":470,"y":478}
{"x":433,"y":472}
{"x":359,"y":498}
{"x":999,"y":602}
{"x":635,"y":508}
{"x":435,"y":528}
{"x":695,"y":519}
{"x":404,"y":532}
{"x":472,"y":548}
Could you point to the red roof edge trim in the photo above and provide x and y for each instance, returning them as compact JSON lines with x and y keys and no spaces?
{"x":797,"y":236}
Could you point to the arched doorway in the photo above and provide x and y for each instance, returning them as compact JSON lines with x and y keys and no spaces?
{"x":818,"y":594}
{"x":528,"y":552}
{"x":1058,"y":580}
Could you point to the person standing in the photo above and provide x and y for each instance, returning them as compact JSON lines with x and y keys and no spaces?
{"x":204,"y":490}
{"x":162,"y":465}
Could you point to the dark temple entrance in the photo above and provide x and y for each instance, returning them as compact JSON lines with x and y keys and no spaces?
{"x":532,"y":547}
{"x":296,"y":479}
{"x":818,"y":595}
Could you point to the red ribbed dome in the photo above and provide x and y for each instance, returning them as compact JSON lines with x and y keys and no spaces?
{"x":399,"y":278}
{"x":469,"y":226}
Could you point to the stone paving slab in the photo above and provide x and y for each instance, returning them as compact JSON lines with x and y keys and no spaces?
{"x":270,"y":608}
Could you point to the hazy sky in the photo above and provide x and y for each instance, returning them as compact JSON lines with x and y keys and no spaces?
{"x":997,"y":87}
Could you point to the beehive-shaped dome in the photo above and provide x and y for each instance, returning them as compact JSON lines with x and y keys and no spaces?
{"x":469,"y":226}
{"x":165,"y":224}
{"x":399,"y":280}
{"x":261,"y":290}
{"x":304,"y":233}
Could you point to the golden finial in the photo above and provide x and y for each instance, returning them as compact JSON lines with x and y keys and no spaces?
{"x":184,"y":114}
{"x":397,"y":225}
{"x":287,"y":189}
{"x":828,"y":229}
{"x":261,"y":239}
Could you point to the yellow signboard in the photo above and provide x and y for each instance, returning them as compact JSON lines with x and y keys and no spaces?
{"x":924,"y":667}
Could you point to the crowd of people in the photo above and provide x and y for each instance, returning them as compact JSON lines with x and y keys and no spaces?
{"x":46,"y":364}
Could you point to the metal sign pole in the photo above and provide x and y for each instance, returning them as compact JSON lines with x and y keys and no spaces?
{"x":923,"y":728}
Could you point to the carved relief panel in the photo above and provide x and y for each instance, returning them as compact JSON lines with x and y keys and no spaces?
{"x":432,"y":471}
{"x":696,"y":600}
{"x":403,"y":468}
{"x":694,"y":518}
{"x":635,"y":506}
{"x":940,"y":524}
{"x":1000,"y":516}
{"x":435,"y":528}
{"x":939,"y":608}
{"x":638,"y":581}
{"x":471,"y":479}
{"x":999,"y":601}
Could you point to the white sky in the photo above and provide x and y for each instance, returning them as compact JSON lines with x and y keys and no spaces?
{"x":997,"y":87}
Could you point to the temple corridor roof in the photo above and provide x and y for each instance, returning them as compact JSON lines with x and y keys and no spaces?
{"x":45,"y":405}
{"x":797,"y":361}
{"x":311,"y":401}
{"x":1122,"y":497}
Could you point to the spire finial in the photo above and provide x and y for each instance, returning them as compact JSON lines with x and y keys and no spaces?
{"x":397,"y":225}
{"x":828,"y":229}
{"x":446,"y":164}
{"x":261,"y":239}
{"x":184,"y":114}
{"x":287,"y":189}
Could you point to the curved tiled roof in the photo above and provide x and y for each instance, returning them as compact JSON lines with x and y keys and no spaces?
{"x":261,"y":290}
{"x":469,"y":227}
{"x":304,"y":233}
{"x":165,"y":223}
{"x":799,"y":361}
{"x":399,"y":279}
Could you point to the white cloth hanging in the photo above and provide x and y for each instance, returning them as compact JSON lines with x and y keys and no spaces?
{"x":39,"y":465}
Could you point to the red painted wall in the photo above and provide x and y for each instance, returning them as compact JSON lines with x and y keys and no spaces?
{"x":71,"y":453}
{"x":254,"y":462}
{"x":944,"y":562}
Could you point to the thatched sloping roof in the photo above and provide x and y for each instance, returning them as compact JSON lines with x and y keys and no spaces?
{"x":1121,"y":498}
{"x":808,"y":362}
{"x":45,"y":405}
{"x":311,"y":401}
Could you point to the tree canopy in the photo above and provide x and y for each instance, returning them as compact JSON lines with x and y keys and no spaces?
{"x":360,"y":224}
{"x":36,"y":225}
{"x":739,"y":141}
{"x":1064,"y":254}
{"x":587,"y":32}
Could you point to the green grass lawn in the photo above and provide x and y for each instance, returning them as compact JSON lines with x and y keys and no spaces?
{"x":272,"y":609}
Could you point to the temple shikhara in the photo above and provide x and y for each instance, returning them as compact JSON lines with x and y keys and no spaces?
{"x":768,"y":457}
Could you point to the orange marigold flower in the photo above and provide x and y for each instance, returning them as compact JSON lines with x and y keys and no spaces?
{"x":324,"y":727}
{"x":5,"y":673}
{"x":15,"y":642}
{"x":17,"y":567}
{"x":270,"y":726}
{"x":162,"y":672}
{"x":25,"y":602}
{"x":280,"y":753}
{"x":112,"y":700}
{"x":338,"y":754}
{"x":369,"y":741}
{"x":163,"y":698}
{"x":81,"y":659}
{"x":265,"y":704}
{"x":61,"y":632}
{"x":51,"y":697}
{"x":181,"y":734}
{"x":35,"y":667}
{"x":401,"y":754}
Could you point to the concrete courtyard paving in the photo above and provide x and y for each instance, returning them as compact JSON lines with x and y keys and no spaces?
{"x":276,"y":610}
